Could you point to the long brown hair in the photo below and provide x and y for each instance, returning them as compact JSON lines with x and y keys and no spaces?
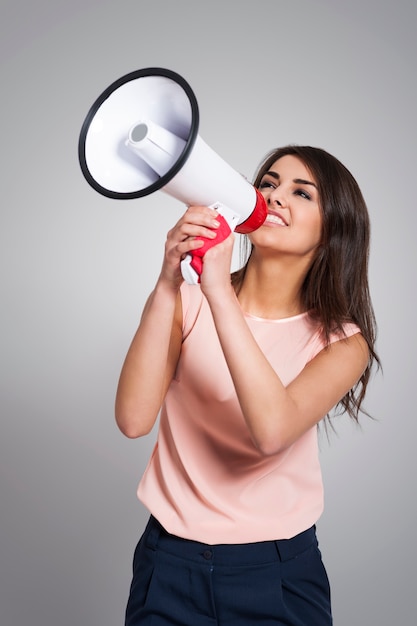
{"x":335,"y":289}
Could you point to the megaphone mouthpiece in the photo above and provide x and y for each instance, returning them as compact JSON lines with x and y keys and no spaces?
{"x":138,"y":132}
{"x":156,"y":145}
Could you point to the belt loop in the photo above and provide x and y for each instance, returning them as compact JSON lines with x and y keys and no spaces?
{"x":277,"y":544}
{"x":154,"y":531}
{"x":289,"y":548}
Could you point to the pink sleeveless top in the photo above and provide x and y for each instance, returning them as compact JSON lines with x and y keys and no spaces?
{"x":205,"y":480}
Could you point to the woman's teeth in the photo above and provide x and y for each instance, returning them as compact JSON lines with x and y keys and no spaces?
{"x":275,"y":219}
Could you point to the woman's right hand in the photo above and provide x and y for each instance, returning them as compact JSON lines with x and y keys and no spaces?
{"x":183,"y":239}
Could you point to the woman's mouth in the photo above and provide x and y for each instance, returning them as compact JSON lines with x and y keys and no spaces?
{"x":275,"y":218}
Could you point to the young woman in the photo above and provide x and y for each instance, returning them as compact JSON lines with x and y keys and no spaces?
{"x":245,"y":367}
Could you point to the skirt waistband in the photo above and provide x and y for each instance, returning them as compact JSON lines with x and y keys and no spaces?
{"x":156,"y":536}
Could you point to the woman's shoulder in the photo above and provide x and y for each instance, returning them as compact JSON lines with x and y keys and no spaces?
{"x":347,"y":329}
{"x":320,"y":339}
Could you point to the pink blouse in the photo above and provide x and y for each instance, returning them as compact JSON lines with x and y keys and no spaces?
{"x":205,"y":480}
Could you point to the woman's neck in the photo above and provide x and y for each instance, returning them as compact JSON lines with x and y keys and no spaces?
{"x":271,"y":290}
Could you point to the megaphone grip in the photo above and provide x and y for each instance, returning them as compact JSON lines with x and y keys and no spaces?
{"x":222,"y":233}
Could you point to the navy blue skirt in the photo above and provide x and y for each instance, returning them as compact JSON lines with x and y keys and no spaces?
{"x":178,"y":582}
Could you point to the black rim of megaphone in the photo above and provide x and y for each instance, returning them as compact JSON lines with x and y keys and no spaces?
{"x":161,"y":182}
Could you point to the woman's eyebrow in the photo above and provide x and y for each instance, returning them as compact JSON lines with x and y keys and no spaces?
{"x":273,"y":174}
{"x":301,"y":181}
{"x":297,"y":181}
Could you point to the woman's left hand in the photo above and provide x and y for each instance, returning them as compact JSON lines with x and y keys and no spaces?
{"x":215,"y":277}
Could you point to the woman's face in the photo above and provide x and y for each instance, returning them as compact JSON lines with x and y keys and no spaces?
{"x":294,"y":221}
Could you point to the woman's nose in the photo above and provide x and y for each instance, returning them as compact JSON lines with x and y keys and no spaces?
{"x":276,"y":197}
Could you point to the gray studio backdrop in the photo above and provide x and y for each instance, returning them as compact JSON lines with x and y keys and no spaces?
{"x":76,"y":268}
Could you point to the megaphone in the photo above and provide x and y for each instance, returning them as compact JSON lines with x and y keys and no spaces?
{"x":141,"y":136}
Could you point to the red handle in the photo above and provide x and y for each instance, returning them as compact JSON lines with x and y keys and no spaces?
{"x":222,"y":233}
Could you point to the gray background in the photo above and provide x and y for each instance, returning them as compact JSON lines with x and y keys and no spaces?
{"x":76,"y":268}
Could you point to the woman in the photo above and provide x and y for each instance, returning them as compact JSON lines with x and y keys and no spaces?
{"x":245,"y":367}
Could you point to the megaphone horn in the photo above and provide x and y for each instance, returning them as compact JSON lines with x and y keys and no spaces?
{"x":141,"y":136}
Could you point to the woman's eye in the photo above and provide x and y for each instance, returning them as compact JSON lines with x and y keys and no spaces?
{"x":303,"y":194}
{"x":266,"y":185}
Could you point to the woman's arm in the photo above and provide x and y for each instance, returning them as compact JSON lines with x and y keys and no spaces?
{"x":276,"y":415}
{"x":150,"y":363}
{"x":154,"y":352}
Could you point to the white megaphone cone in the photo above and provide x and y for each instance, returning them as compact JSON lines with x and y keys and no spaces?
{"x":141,"y":136}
